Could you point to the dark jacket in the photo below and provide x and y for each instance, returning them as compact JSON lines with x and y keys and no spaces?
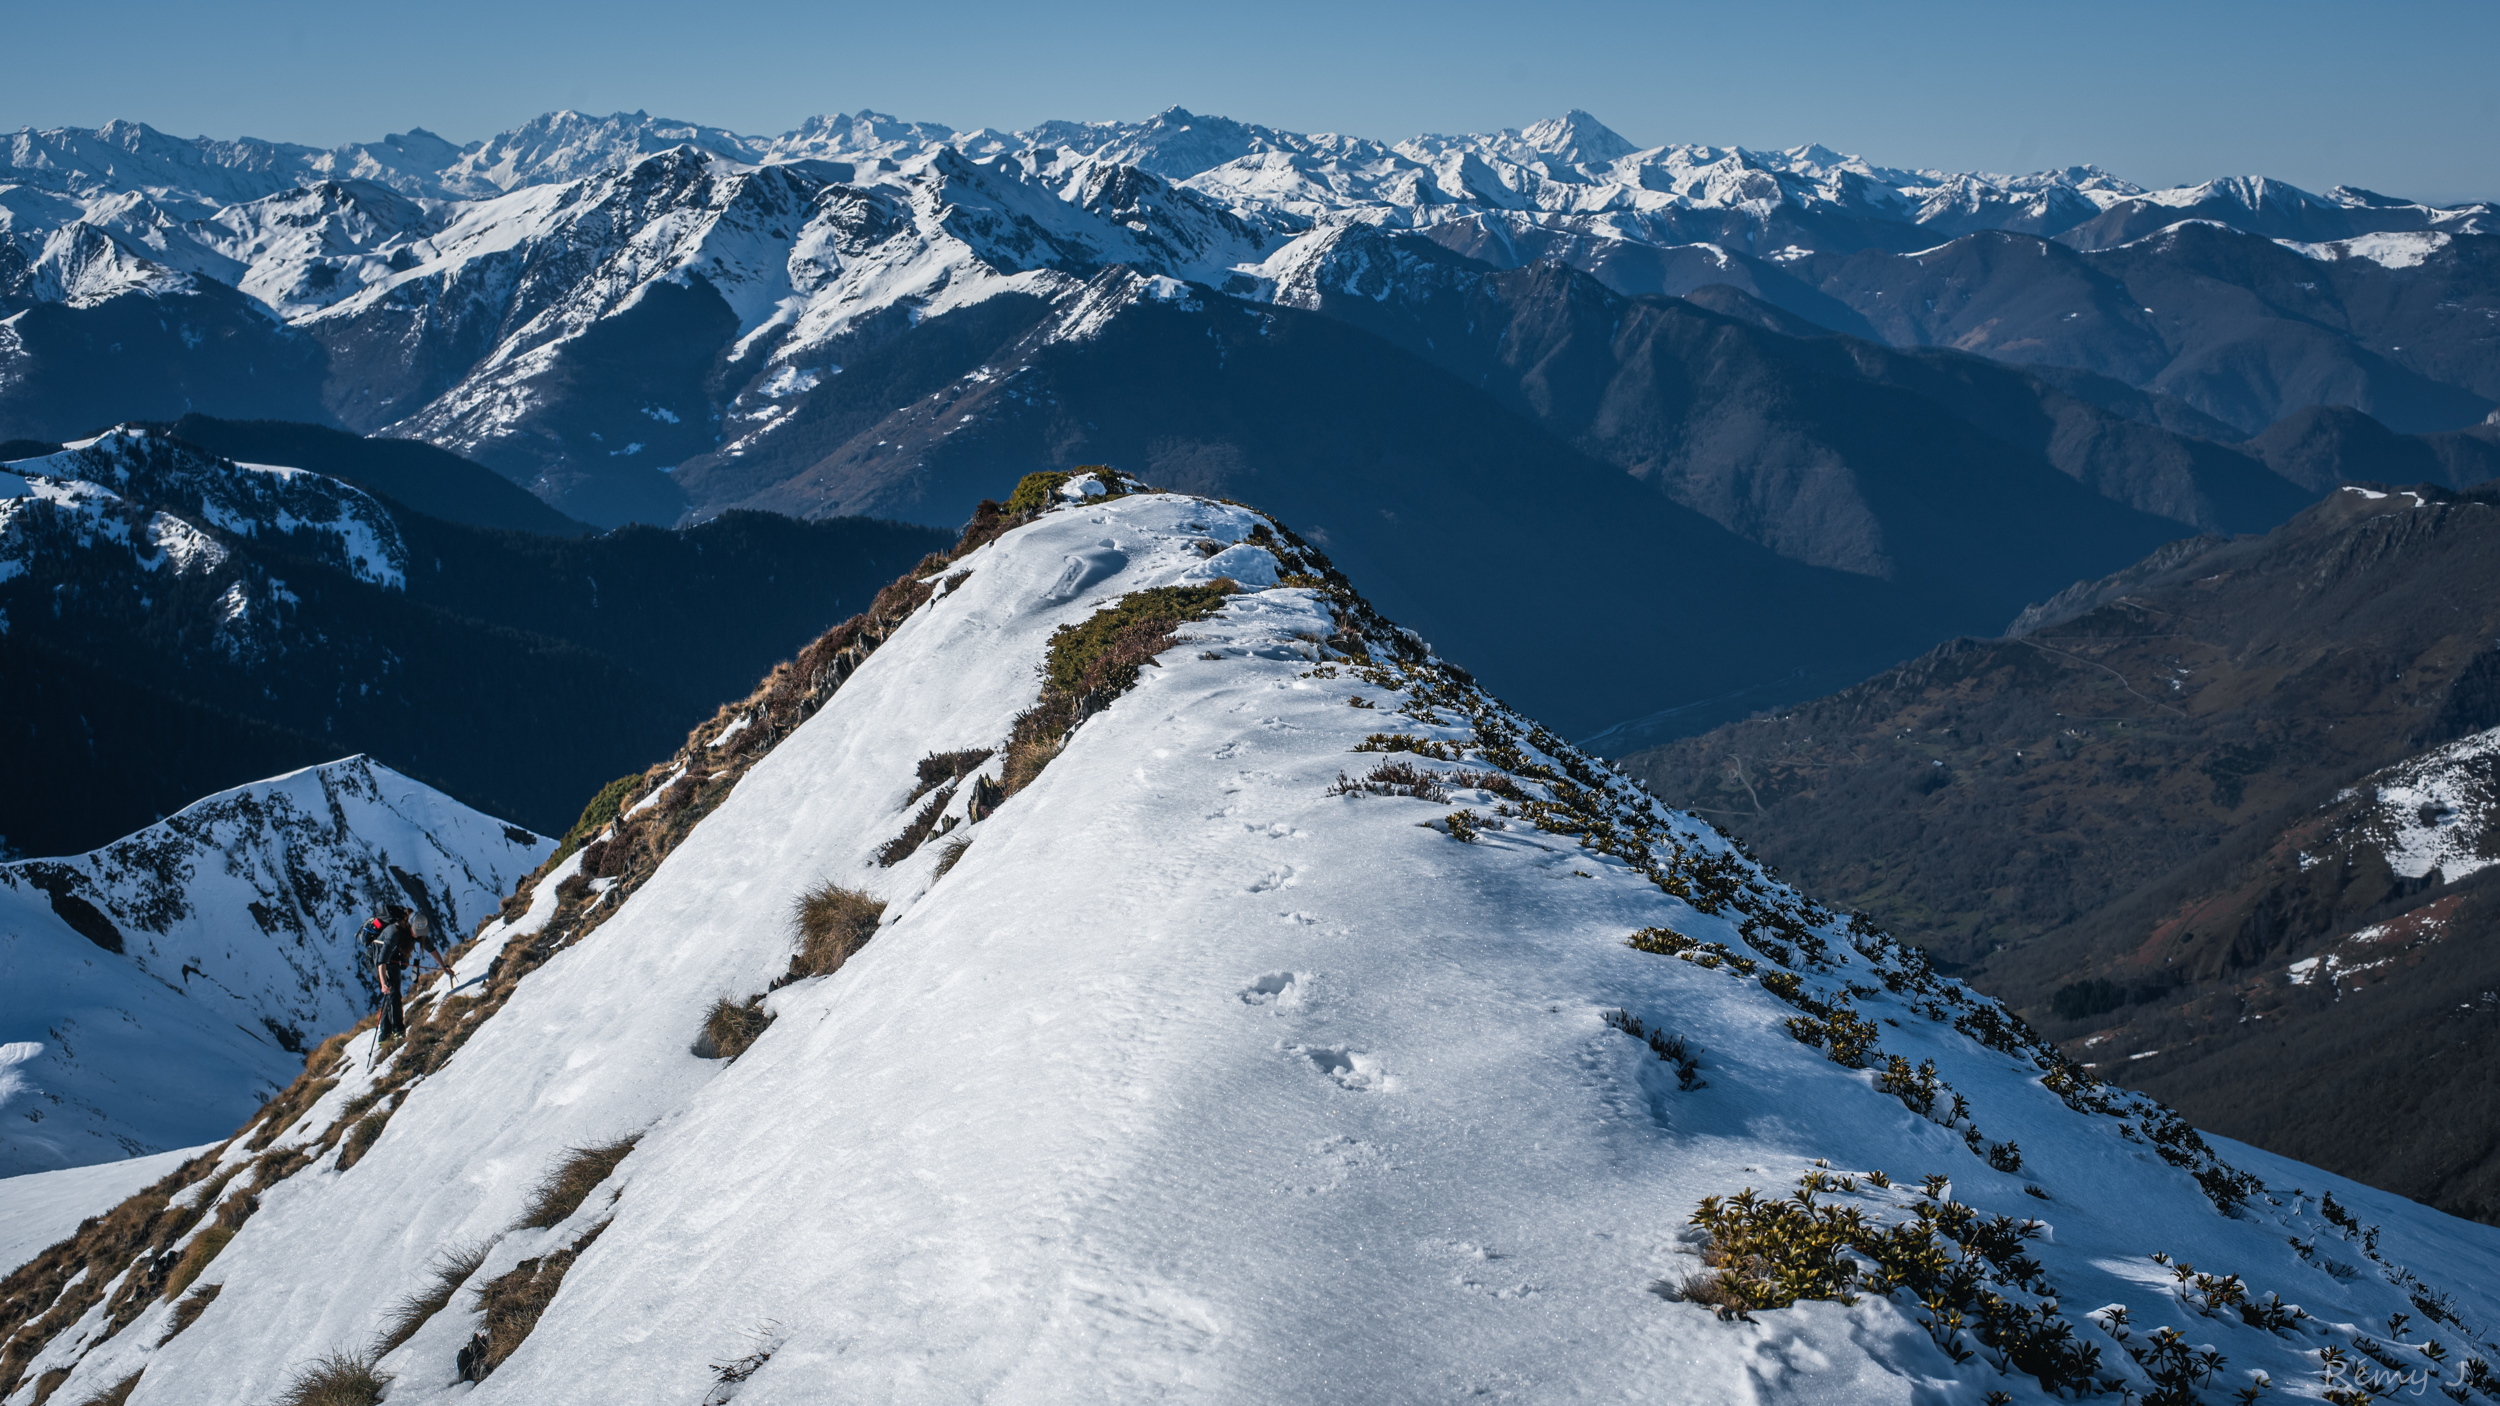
{"x":396,"y":944}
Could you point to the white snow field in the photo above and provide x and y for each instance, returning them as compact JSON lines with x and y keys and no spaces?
{"x":1194,"y":1081}
{"x":212,"y":941}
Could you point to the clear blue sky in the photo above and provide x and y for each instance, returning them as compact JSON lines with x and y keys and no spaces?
{"x":2401,"y":96}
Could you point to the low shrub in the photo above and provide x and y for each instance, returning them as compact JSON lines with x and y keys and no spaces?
{"x":833,"y":922}
{"x":1393,"y":779}
{"x":449,"y":1270}
{"x":602,"y":809}
{"x":570,"y":1182}
{"x":1667,"y":942}
{"x":1493,"y":781}
{"x":1104,"y":653}
{"x":1401,"y":742}
{"x":731,"y":1026}
{"x":906,"y":844}
{"x":1037,"y":735}
{"x":342,"y":1378}
{"x":1672,"y":1049}
{"x":945,"y":768}
{"x":1091,"y":663}
{"x":1034,"y":492}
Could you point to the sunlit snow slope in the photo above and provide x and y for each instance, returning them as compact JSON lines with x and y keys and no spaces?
{"x":154,"y":991}
{"x":1193,"y":1080}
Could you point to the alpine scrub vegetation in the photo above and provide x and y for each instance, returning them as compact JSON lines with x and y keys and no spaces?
{"x":514,"y":1301}
{"x":1091,"y":663}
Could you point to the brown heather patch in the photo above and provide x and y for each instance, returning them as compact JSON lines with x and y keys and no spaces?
{"x":833,"y":923}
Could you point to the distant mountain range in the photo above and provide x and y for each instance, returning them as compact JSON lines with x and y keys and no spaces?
{"x":583,"y":301}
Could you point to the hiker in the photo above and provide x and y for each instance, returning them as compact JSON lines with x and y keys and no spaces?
{"x":394,"y":935}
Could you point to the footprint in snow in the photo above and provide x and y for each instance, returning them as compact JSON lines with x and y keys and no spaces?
{"x":1351,"y":1069}
{"x":1278,"y":876}
{"x":1283,"y":990}
{"x":1084,"y":569}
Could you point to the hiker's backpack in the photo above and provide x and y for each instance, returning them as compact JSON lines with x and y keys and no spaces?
{"x":396,"y":943}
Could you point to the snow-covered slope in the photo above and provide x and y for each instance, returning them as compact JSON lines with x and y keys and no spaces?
{"x":1226,"y":1059}
{"x":152,"y":992}
{"x":40,"y":1209}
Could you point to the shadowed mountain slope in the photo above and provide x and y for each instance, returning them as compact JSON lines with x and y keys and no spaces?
{"x":2133,"y":804}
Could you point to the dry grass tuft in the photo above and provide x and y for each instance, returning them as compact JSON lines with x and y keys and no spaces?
{"x":834,"y":922}
{"x":571,"y":1182}
{"x":450,"y":1269}
{"x":362,"y":1136}
{"x":189,"y":1310}
{"x":342,"y":1378}
{"x":514,"y":1302}
{"x":950,"y":856}
{"x":115,"y":1394}
{"x":731,"y":1027}
{"x":195,"y":1257}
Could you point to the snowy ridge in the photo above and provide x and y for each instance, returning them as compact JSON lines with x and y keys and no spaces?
{"x":164,"y":984}
{"x":96,"y":479}
{"x":1309,"y":1028}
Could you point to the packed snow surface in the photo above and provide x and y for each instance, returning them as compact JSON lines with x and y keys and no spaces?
{"x":1192,"y":1080}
